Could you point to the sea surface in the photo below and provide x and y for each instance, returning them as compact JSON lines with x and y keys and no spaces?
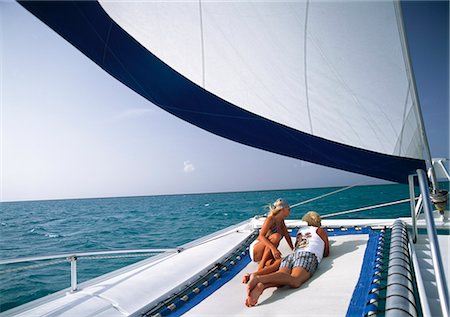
{"x":38,"y":228}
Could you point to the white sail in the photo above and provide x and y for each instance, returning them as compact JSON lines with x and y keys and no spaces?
{"x":331,"y":69}
{"x":326,"y":82}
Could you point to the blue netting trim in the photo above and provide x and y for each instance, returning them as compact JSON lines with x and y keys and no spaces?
{"x":366,"y":294}
{"x":181,"y":302}
{"x":218,"y":275}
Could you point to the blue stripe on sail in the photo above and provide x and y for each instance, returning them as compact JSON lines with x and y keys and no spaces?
{"x":88,"y":27}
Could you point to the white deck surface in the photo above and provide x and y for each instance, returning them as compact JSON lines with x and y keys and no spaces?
{"x":130,"y":291}
{"x":333,"y":284}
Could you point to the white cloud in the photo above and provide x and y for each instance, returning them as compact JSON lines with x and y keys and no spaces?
{"x":188,"y":167}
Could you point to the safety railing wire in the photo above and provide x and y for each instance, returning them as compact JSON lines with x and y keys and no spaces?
{"x":73,"y":257}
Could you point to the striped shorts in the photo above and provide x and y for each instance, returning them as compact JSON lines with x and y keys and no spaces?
{"x":306,"y":260}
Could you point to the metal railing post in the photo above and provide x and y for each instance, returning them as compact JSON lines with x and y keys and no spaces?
{"x":434,"y":244}
{"x":73,"y":274}
{"x":412,"y":197}
{"x":73,"y":260}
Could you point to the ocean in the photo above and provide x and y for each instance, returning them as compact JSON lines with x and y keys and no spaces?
{"x":37,"y":228}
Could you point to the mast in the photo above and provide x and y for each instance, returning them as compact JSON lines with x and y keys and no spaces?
{"x":415,"y":97}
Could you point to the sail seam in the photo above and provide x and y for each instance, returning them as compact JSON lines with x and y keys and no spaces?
{"x":106,"y":43}
{"x":404,"y":120}
{"x":111,"y":51}
{"x":305,"y":49}
{"x":202,"y":42}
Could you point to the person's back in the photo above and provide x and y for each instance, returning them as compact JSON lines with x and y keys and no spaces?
{"x":309,"y":241}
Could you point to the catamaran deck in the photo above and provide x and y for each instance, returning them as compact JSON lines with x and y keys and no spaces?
{"x":139,"y":288}
{"x":334,"y":282}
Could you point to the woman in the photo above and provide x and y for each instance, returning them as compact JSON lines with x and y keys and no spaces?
{"x":265,"y":248}
{"x":311,"y":246}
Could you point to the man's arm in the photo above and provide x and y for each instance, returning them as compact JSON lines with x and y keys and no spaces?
{"x":287,"y":236}
{"x":323,"y":234}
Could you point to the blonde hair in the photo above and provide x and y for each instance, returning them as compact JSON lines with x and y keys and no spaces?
{"x":274,"y":210}
{"x":278,"y":206}
{"x":312,"y":218}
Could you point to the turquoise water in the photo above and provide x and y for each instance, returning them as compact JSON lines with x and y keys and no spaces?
{"x":82,"y":225}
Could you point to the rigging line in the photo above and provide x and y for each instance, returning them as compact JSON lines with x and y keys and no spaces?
{"x":443,"y":169}
{"x":325,"y":195}
{"x":414,"y":95}
{"x":213,"y":238}
{"x":367,"y":208}
{"x":305,"y":48}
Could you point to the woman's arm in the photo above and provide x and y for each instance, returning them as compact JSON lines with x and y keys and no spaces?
{"x":323,"y":234}
{"x":287,"y":236}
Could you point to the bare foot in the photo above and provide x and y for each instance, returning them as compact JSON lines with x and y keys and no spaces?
{"x":253,"y":280}
{"x":252,"y":298}
{"x":245,"y":278}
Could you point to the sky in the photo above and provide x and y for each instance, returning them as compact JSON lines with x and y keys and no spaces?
{"x":69,"y":130}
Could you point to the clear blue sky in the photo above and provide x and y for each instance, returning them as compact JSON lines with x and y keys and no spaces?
{"x":69,"y":130}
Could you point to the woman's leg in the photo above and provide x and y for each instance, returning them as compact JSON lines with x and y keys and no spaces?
{"x":275,"y":239}
{"x":257,"y":254}
{"x":258,"y":250}
{"x":263,"y":255}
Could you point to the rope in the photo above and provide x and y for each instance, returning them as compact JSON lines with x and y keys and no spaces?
{"x":366,"y":208}
{"x":324,"y":195}
{"x":213,"y":238}
{"x":32,"y":266}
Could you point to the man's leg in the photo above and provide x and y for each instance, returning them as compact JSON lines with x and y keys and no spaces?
{"x":285,"y":276}
{"x":269,"y":280}
{"x":272,"y":266}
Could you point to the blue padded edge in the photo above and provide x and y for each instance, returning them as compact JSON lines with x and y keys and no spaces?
{"x":358,"y":302}
{"x":218,"y":283}
{"x":228,"y":275}
{"x":339,"y":232}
